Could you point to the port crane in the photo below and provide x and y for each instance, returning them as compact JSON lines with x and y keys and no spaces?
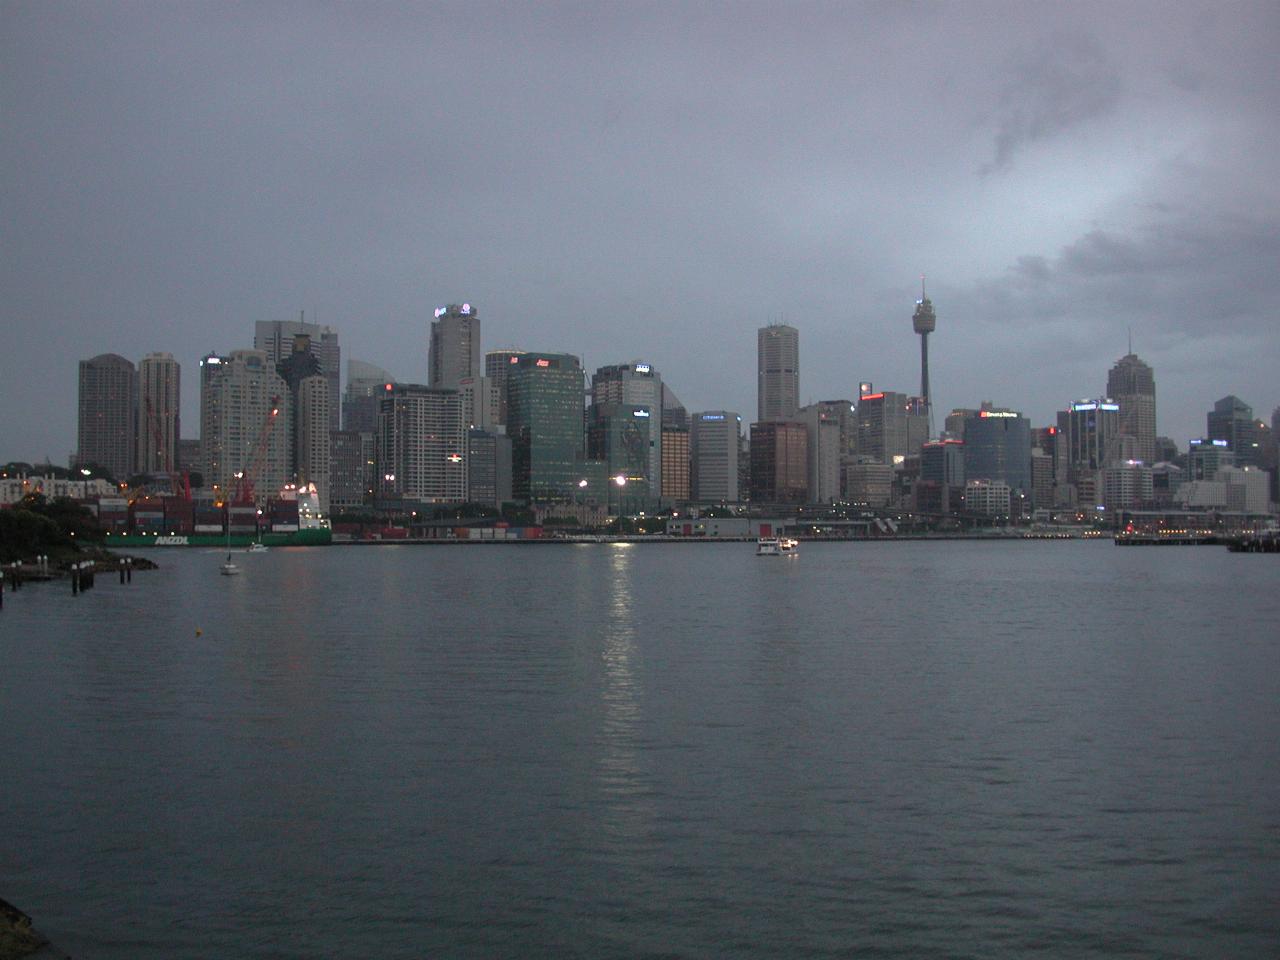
{"x":257,"y":457}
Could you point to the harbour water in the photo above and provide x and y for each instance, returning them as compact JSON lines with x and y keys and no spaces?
{"x":959,"y":749}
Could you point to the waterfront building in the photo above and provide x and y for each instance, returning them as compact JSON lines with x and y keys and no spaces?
{"x":1092,"y":432}
{"x":246,"y":423}
{"x":675,"y":465}
{"x":714,"y":441}
{"x":159,"y":422}
{"x":481,"y":403}
{"x":488,"y":468}
{"x":924,"y":322}
{"x":454,"y":351}
{"x":1235,"y":489}
{"x":351,"y":466}
{"x":1042,"y":480}
{"x":779,"y":462}
{"x":363,"y":397}
{"x":1205,"y":457}
{"x":618,"y":436}
{"x":276,"y":339}
{"x":108,"y":409}
{"x":778,"y":372}
{"x":496,"y":365}
{"x":823,"y":422}
{"x":997,"y":446}
{"x":638,"y":384}
{"x":868,"y":483}
{"x":987,"y":498}
{"x":674,"y":413}
{"x":421,"y":445}
{"x":545,"y":422}
{"x":890,"y":426}
{"x":941,"y":485}
{"x":1231,"y":419}
{"x":1132,"y":385}
{"x":1127,"y":485}
{"x":311,"y":451}
{"x":1166,"y":478}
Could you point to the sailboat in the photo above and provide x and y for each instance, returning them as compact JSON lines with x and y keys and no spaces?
{"x":228,"y":569}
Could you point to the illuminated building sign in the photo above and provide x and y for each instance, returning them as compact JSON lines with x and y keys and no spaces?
{"x":872,"y":396}
{"x":440,"y":311}
{"x":454,"y":458}
{"x":544,"y":363}
{"x":466,"y":309}
{"x":713,"y":416}
{"x":864,"y":388}
{"x":211,"y":360}
{"x":1091,"y":405}
{"x":642,"y":368}
{"x":640,"y":413}
{"x":999,"y":413}
{"x":515,"y":359}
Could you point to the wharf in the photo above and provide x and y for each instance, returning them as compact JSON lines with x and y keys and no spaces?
{"x":1167,"y":540}
{"x":1268,"y":541}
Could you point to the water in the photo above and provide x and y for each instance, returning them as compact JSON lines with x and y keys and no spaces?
{"x":876,"y":750}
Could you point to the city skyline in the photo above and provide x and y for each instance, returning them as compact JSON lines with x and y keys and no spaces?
{"x":1090,"y":171}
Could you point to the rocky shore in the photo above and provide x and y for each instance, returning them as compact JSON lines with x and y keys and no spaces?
{"x":19,"y":939}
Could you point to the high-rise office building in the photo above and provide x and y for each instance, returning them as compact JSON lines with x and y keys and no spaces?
{"x":825,"y":424}
{"x":1231,"y":419}
{"x":618,"y":436}
{"x":159,"y":426}
{"x":545,"y":422}
{"x":454,"y":352}
{"x":891,"y":426}
{"x":421,"y":445}
{"x":108,"y":411}
{"x":1132,"y":385}
{"x":714,"y":437}
{"x":351,"y":464}
{"x":363,"y":398}
{"x":641,"y":385}
{"x":1092,"y":443}
{"x":497,"y":364}
{"x":674,"y":413}
{"x":924,"y":322}
{"x":779,"y":462}
{"x":275,"y":338}
{"x":239,"y":432}
{"x":778,"y":372}
{"x":997,"y":446}
{"x":488,"y":468}
{"x":675,"y":464}
{"x":311,"y":436}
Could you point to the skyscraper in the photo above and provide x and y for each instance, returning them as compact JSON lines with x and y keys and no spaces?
{"x":454,"y":353}
{"x":891,"y":426}
{"x":780,"y":461}
{"x":275,"y":338}
{"x":158,"y":408}
{"x":497,"y":364}
{"x":997,"y":446}
{"x":1093,"y":443}
{"x":924,"y":323}
{"x":238,"y":431}
{"x":545,"y":422}
{"x":1231,"y":419}
{"x":422,"y":445}
{"x":713,"y":456}
{"x":638,"y":384}
{"x":1132,"y":385}
{"x":365,"y":386}
{"x":778,"y":372}
{"x":108,"y":410}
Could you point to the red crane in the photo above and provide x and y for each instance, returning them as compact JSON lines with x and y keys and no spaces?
{"x":244,"y":482}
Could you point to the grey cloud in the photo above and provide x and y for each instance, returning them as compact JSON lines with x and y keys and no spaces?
{"x":1059,"y":84}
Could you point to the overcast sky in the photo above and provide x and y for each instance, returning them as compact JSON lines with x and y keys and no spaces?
{"x":649,"y":182}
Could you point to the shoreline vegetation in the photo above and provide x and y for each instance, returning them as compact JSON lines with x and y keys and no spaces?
{"x":63,"y":531}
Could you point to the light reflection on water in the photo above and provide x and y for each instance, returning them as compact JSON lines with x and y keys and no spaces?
{"x":606,"y":750}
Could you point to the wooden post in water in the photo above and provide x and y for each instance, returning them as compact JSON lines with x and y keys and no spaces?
{"x":75,"y":579}
{"x":128,"y":568}
{"x":122,"y":571}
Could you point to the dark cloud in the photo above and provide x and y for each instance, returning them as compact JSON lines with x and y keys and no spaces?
{"x":647,"y":181}
{"x":1057,"y":85}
